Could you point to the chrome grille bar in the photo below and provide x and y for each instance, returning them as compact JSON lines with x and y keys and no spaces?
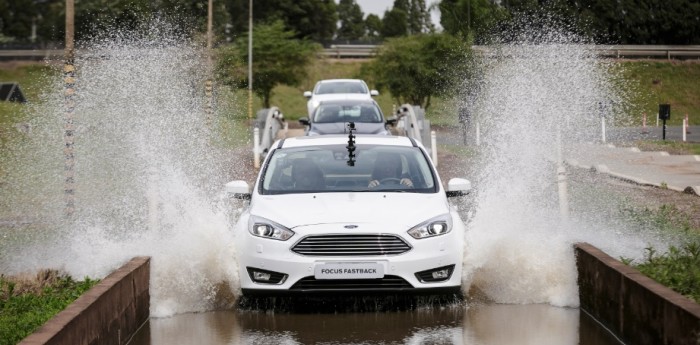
{"x":351,"y":245}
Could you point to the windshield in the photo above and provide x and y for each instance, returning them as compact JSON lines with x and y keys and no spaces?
{"x":359,"y":112}
{"x":327,"y":169}
{"x":341,"y":87}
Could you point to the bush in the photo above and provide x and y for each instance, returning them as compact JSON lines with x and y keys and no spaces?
{"x":26,"y":303}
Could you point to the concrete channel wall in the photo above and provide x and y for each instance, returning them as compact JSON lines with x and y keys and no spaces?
{"x":634,"y":307}
{"x":109,"y":313}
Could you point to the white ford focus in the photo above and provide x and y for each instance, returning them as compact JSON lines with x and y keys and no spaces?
{"x":358,"y":214}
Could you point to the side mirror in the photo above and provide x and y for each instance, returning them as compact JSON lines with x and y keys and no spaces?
{"x":239,"y":189}
{"x":307,"y":94}
{"x":373,"y":93}
{"x":305,"y":121}
{"x":392,"y":121}
{"x":458,"y":187}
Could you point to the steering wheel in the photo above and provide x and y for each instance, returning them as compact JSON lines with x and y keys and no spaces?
{"x":390,"y":181}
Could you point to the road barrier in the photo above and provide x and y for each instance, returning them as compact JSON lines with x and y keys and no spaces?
{"x":633,"y":306}
{"x":109,"y":313}
{"x":364,"y":51}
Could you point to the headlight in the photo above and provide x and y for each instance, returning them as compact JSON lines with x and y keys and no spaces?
{"x":261,"y":227}
{"x":434,"y":227}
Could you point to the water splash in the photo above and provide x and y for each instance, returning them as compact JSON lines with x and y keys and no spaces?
{"x":541,"y":93}
{"x":148,"y":173}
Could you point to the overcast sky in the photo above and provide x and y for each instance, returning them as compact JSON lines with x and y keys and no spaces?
{"x":379,"y":6}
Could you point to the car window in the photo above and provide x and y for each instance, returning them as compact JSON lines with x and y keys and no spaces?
{"x":341,"y":87}
{"x":331,"y":112}
{"x":326,"y":168}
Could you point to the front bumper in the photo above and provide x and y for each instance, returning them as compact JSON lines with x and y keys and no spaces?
{"x":399,"y":271}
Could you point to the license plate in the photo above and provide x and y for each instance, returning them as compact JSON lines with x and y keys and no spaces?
{"x":349,"y":270}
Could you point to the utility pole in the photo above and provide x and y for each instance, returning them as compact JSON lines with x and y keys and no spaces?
{"x":69,"y":94}
{"x":209,"y":84}
{"x":250,"y":59}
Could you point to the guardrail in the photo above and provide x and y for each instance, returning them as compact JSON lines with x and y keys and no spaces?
{"x":344,"y":51}
{"x":627,"y":51}
{"x":612,"y":51}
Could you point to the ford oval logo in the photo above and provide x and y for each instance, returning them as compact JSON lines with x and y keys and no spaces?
{"x":350,"y":226}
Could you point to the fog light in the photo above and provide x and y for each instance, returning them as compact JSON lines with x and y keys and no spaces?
{"x":437,"y":274}
{"x":266,"y":276}
{"x":441,"y":274}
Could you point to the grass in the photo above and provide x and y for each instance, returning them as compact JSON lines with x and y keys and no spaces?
{"x":673,"y":147}
{"x":679,"y":267}
{"x":26,"y":303}
{"x":672,"y":82}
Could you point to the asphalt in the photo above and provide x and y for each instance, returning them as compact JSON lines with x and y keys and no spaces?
{"x":660,"y":169}
{"x":616,"y":158}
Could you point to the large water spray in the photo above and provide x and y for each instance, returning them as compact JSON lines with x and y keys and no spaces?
{"x":541,"y":94}
{"x":148,"y":173}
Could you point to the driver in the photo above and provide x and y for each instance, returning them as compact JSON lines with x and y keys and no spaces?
{"x":387,"y":170}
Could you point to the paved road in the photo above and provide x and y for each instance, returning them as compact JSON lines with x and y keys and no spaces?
{"x":676,"y":172}
{"x":673,"y":133}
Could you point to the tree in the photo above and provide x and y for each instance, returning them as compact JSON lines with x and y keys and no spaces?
{"x":373,"y":27}
{"x":415,"y":68}
{"x":16,"y":19}
{"x":352,"y":27}
{"x":419,"y":18}
{"x":279,"y":58}
{"x":470,"y":18}
{"x":394,"y":23}
{"x":312,"y":19}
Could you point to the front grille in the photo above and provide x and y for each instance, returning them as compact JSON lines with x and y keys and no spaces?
{"x":351,"y":245}
{"x":388,"y":283}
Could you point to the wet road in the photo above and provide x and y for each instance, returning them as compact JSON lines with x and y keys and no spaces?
{"x":479,"y":324}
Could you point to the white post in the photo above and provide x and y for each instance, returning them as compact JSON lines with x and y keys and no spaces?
{"x":657,"y":119}
{"x":413,"y":123}
{"x":478,"y":133}
{"x":602,"y":120}
{"x":152,"y":199}
{"x":561,"y":180}
{"x":433,"y":147}
{"x":256,"y":147}
{"x":683,"y":128}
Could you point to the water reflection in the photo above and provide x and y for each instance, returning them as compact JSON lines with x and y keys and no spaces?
{"x":475,"y":325}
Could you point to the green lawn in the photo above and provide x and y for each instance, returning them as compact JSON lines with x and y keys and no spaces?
{"x":676,"y":83}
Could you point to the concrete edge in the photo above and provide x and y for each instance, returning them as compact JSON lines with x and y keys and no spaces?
{"x":603,"y":169}
{"x":111,"y":310}
{"x":633,"y":306}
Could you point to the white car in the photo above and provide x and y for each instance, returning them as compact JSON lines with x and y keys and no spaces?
{"x":332,"y":117}
{"x":337,"y":89}
{"x":320,"y":219}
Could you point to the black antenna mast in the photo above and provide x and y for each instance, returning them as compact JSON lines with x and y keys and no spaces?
{"x":351,"y":144}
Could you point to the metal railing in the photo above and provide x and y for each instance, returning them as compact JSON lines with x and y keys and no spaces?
{"x":627,"y":51}
{"x":343,"y":51}
{"x":612,"y":51}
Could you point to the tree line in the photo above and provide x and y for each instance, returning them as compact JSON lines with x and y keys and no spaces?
{"x":415,"y":63}
{"x":605,"y":21}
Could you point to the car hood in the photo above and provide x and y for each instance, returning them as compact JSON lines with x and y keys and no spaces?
{"x":406,"y":209}
{"x":340,"y":128}
{"x":340,"y":96}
